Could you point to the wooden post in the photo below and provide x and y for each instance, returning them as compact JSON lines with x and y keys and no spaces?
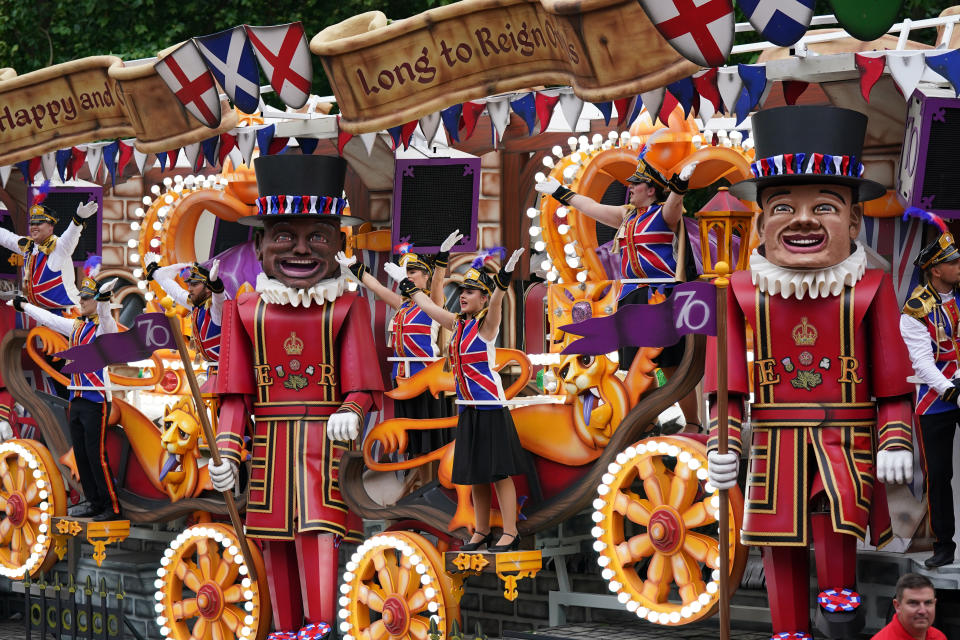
{"x":208,"y":432}
{"x":723,"y":519}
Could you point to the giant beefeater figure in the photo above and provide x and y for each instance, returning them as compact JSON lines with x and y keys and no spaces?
{"x":291,"y":354}
{"x":831,"y":412}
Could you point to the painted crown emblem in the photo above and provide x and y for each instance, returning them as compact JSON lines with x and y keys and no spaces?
{"x":293,"y":345}
{"x":804,"y":334}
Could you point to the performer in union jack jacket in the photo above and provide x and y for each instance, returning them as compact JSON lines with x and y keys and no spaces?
{"x":487,"y":448}
{"x":48,"y":274}
{"x":91,"y":397}
{"x":929,"y":326}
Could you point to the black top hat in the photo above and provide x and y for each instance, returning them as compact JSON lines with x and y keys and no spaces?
{"x":809,"y":144}
{"x":297,"y":186}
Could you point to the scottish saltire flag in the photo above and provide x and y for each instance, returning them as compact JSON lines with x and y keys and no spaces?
{"x":285,"y":59}
{"x":782,"y":22}
{"x":185,"y":73}
{"x":901,"y":239}
{"x":230,"y":59}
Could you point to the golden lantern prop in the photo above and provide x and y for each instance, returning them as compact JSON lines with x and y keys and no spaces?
{"x":723,"y":217}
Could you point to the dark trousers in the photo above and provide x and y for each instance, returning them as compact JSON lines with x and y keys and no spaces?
{"x":936,"y":448}
{"x":88,"y":426}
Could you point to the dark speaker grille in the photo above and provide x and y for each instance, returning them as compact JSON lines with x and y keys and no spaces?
{"x":434,"y":201}
{"x":616,"y":194}
{"x":64,"y":203}
{"x":940,"y":170}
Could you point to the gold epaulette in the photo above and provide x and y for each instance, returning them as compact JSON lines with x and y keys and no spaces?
{"x":920,"y":303}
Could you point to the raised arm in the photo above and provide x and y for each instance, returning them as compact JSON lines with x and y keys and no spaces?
{"x":679,"y":185}
{"x":608,"y":214}
{"x":63,"y":252}
{"x":491,"y":321}
{"x":12,"y":242}
{"x":440,"y":262}
{"x":108,"y":324}
{"x":42,"y":316}
{"x":443,"y":317}
{"x":360,"y":272}
{"x":217,"y":293}
{"x":165,"y":277}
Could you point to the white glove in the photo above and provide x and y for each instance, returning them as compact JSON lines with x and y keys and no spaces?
{"x":86,"y":210}
{"x":344,"y":261}
{"x":6,"y":431}
{"x":395,"y":271}
{"x":451,"y":240}
{"x":344,"y":425}
{"x":895,"y":466}
{"x":214,"y":271}
{"x":512,"y":260}
{"x":108,"y":287}
{"x":223,"y":475}
{"x":722,"y":469}
{"x":548,"y":186}
{"x":687,"y":171}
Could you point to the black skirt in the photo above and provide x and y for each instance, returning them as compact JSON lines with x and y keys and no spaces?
{"x":487,"y":448}
{"x":421,"y":407}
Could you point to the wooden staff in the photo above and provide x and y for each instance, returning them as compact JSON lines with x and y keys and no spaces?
{"x":721,"y":282}
{"x":208,"y":432}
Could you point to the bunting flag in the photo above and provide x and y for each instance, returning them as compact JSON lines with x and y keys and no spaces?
{"x":526,"y":107}
{"x":666,"y":108}
{"x":228,"y":142}
{"x":606,"y":110}
{"x":402,"y":133}
{"x":683,"y":90}
{"x":499,"y":111}
{"x":264,"y":138}
{"x":48,"y":164}
{"x":172,"y":156}
{"x":192,"y":154}
{"x":871,"y":68}
{"x":246,"y":141}
{"x":571,"y":106}
{"x":700,"y":30}
{"x":729,"y":85}
{"x":162,"y":159}
{"x":36,"y":165}
{"x":754,"y":78}
{"x":24,"y":167}
{"x":906,"y":70}
{"x":77,"y":158}
{"x":63,"y":163}
{"x":782,"y":22}
{"x":653,"y":100}
{"x":231,"y":60}
{"x":705,"y":84}
{"x":307,"y":144}
{"x":623,"y":108}
{"x":470,"y":115}
{"x":429,"y":125}
{"x":285,"y":59}
{"x":451,"y":122}
{"x":94,"y":157}
{"x":110,"y":160}
{"x":209,"y":148}
{"x":742,"y":106}
{"x":185,"y":73}
{"x":396,"y":136}
{"x":793,"y":89}
{"x":636,"y":108}
{"x":343,"y":138}
{"x":947,"y":65}
{"x":125,"y":155}
{"x":368,"y":140}
{"x":545,"y":104}
{"x":5,"y":175}
{"x":140,"y":160}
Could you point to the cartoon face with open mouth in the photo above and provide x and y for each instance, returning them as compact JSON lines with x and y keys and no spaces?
{"x":599,"y":397}
{"x":807,"y":226}
{"x":181,"y":439}
{"x":299,"y":252}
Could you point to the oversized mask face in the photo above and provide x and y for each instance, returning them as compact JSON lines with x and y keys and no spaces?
{"x":299,"y":252}
{"x":808,"y":226}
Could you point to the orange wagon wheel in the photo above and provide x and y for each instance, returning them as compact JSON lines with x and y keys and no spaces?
{"x":204,"y":591}
{"x":657,"y":535}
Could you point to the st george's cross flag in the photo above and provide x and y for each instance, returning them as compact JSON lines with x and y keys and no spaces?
{"x":782,"y":22}
{"x":230,"y":59}
{"x":700,"y":30}
{"x":187,"y":76}
{"x":285,"y":59}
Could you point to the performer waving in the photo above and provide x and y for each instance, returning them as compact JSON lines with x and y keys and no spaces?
{"x":487,"y":447}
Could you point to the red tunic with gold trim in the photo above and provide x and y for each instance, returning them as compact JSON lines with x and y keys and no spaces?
{"x":299,"y":365}
{"x":819,"y":364}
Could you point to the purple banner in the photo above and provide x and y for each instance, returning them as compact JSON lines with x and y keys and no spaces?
{"x":691,"y":308}
{"x":150,"y":331}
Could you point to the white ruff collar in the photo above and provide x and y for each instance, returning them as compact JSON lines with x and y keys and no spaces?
{"x":813,"y":283}
{"x":274,"y":292}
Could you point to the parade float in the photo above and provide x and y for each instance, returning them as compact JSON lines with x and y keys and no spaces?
{"x":456,"y":80}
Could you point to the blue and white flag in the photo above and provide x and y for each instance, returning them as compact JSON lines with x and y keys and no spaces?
{"x":230,"y":58}
{"x":782,"y":22}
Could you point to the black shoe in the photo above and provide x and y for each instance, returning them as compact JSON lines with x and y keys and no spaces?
{"x":85,"y":510}
{"x":513,"y":545}
{"x":106,"y":515}
{"x":474,"y":546}
{"x":939,"y":559}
